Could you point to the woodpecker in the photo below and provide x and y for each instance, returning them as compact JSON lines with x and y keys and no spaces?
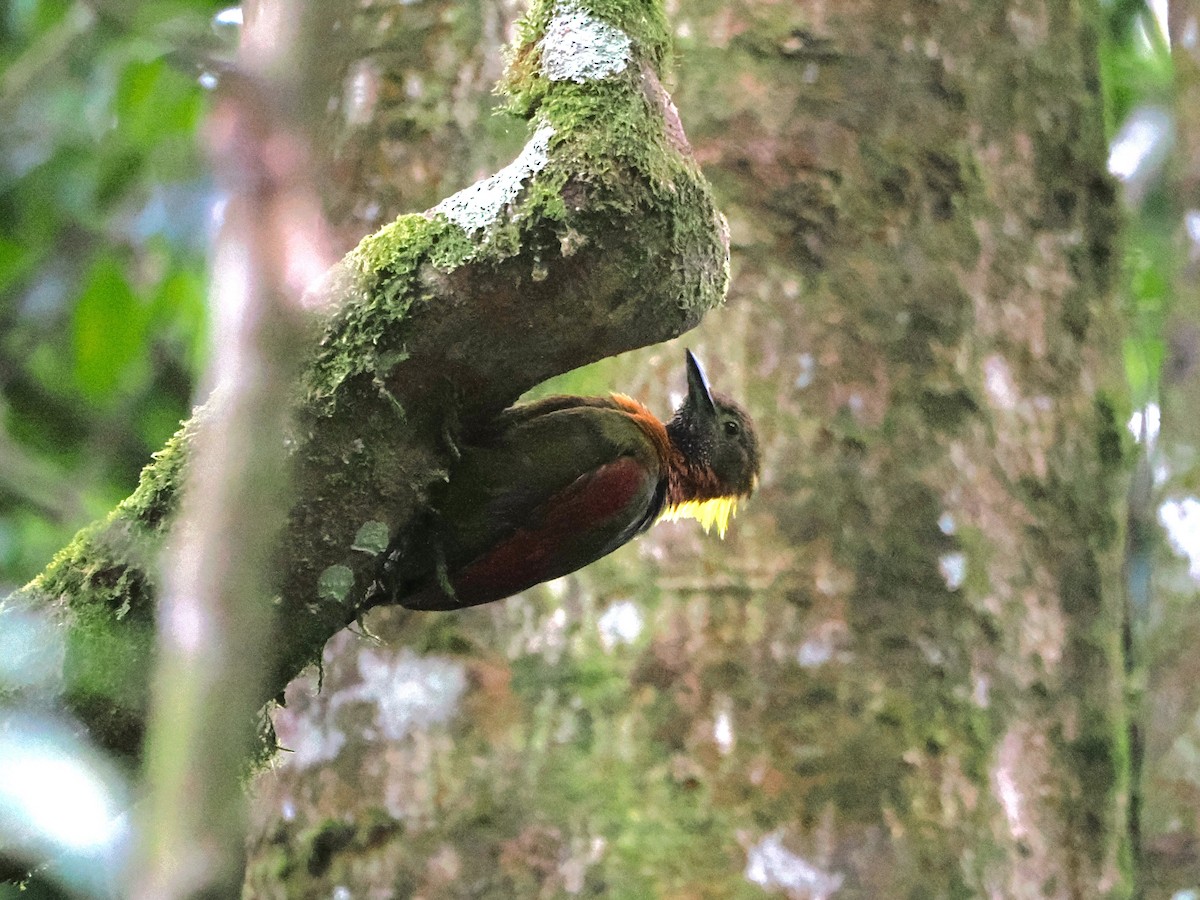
{"x":551,"y":486}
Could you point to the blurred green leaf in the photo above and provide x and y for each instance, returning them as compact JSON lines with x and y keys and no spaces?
{"x":119,"y":172}
{"x":27,"y":17}
{"x":104,"y":205}
{"x":108,"y":331}
{"x":1135,"y":61}
{"x":15,"y":262}
{"x":181,"y":314}
{"x":1143,"y":362}
{"x":154,"y":100}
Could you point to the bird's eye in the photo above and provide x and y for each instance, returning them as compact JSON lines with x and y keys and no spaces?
{"x":732,"y":428}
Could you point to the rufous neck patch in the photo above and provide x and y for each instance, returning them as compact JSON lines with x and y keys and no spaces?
{"x":648,"y":422}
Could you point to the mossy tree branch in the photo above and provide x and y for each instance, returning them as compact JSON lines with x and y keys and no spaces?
{"x":602,"y":236}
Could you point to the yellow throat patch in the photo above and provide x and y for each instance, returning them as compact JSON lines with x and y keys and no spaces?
{"x":717,"y":511}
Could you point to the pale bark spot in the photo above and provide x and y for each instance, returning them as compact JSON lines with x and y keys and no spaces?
{"x":1007,"y":792}
{"x":773,"y":866}
{"x":997,"y":378}
{"x":1181,"y":519}
{"x":474,"y":208}
{"x":953,"y":567}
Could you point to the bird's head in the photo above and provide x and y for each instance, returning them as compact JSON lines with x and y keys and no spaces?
{"x":717,"y":455}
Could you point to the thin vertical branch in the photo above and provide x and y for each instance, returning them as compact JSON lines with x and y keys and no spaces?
{"x":215,"y":621}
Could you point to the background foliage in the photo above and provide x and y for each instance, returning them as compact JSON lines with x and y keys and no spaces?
{"x":106,"y":214}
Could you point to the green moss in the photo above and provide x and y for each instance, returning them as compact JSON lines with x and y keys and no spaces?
{"x":107,"y":564}
{"x":384,"y":274}
{"x":1100,"y":759}
{"x":105,"y":578}
{"x":1112,"y":438}
{"x":947,"y":411}
{"x":280,"y":864}
{"x":609,"y":129}
{"x":156,"y":497}
{"x":644,"y":21}
{"x":397,"y":248}
{"x":101,"y":577}
{"x":609,"y":126}
{"x":104,"y":568}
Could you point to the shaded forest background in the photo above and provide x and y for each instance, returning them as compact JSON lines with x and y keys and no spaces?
{"x":662,"y":724}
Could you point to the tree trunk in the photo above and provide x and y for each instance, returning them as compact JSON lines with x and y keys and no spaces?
{"x":901,"y":676}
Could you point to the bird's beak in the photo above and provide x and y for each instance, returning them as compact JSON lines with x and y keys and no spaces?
{"x":698,"y":397}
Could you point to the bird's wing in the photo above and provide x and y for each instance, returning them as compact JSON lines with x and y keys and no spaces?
{"x":589,"y":519}
{"x":550,"y":493}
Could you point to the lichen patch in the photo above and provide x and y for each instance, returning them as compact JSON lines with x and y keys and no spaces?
{"x":335,"y":583}
{"x":579,"y":47}
{"x":476,"y":207}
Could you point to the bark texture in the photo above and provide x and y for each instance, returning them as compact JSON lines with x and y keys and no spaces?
{"x":902,"y":675}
